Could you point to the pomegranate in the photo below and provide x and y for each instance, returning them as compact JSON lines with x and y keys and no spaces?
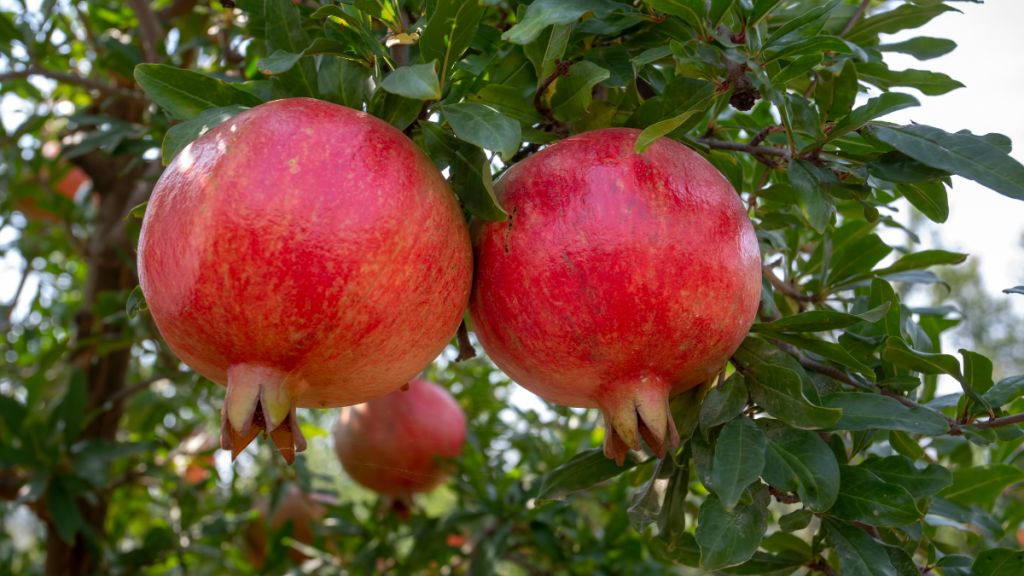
{"x":392,"y":445}
{"x":619,"y":280}
{"x":303,"y":254}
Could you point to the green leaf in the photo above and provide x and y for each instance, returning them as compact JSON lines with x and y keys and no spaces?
{"x":797,"y":68}
{"x":739,"y":458}
{"x":780,"y":392}
{"x":930,"y":83}
{"x":859,"y":554}
{"x":999,"y":562}
{"x":901,"y":471}
{"x":651,"y":134}
{"x":450,"y":31}
{"x":580,"y":472}
{"x":64,"y":510}
{"x":903,"y":444}
{"x":807,"y":25}
{"x":801,"y":518}
{"x":1014,"y":290}
{"x":186,"y":94}
{"x":683,"y":550}
{"x":820,"y":320}
{"x":685,"y":410}
{"x":616,"y":60}
{"x":829,"y":350}
{"x":718,"y":11}
{"x":1005,"y":391}
{"x":547,"y":50}
{"x":922,"y":259}
{"x":394,"y":109}
{"x":136,"y":302}
{"x":652,"y":55}
{"x":930,"y":199}
{"x":903,"y":17}
{"x":470,"y":172}
{"x":672,"y":519}
{"x":815,"y":45}
{"x":977,"y":377}
{"x":865,"y":498}
{"x":812,"y":191}
{"x":922,"y":47}
{"x":693,"y":12}
{"x":761,"y":9}
{"x":12,"y":414}
{"x":864,"y":411}
{"x":968,"y":156}
{"x":484,"y":126}
{"x":902,"y":562}
{"x":799,"y":461}
{"x":573,"y":93}
{"x":728,"y":538}
{"x":343,"y":81}
{"x":418,"y":82}
{"x":761,"y":563}
{"x":981,"y":484}
{"x":280,"y":61}
{"x":665,"y":490}
{"x":544,"y":13}
{"x":722,"y":405}
{"x":898,"y":352}
{"x":137,"y":212}
{"x":874,"y":108}
{"x":975,"y":516}
{"x":181,"y":135}
{"x":898,"y":167}
{"x":72,"y":407}
{"x":285,"y":32}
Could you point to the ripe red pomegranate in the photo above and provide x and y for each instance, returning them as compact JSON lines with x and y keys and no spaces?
{"x":392,"y":445}
{"x":619,"y":280}
{"x":303,"y":254}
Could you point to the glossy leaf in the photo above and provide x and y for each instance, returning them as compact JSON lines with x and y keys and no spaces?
{"x":484,"y":126}
{"x":892,"y":21}
{"x":470,"y":172}
{"x":829,"y":350}
{"x":573,"y":93}
{"x":859,"y":554}
{"x":874,"y":108}
{"x":799,"y":461}
{"x":999,"y":562}
{"x":739,"y":458}
{"x":418,"y":82}
{"x":922,"y":47}
{"x":181,"y":135}
{"x":812,"y":193}
{"x":863,"y":497}
{"x":821,"y":320}
{"x":580,"y":472}
{"x":1005,"y":391}
{"x":544,"y":13}
{"x":187,"y":94}
{"x":929,"y":83}
{"x":450,"y":31}
{"x":898,"y":352}
{"x":721,"y":405}
{"x":901,"y":471}
{"x":864,"y":411}
{"x":981,"y":484}
{"x":797,"y":68}
{"x":779,"y":391}
{"x":729,"y":538}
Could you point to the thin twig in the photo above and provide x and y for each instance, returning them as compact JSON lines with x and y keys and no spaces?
{"x":998,"y":422}
{"x":126,"y":392}
{"x":785,"y":288}
{"x":524,"y":564}
{"x":21,"y":287}
{"x":149,"y":25}
{"x":561,"y":69}
{"x":782,"y":497}
{"x":67,"y":78}
{"x":820,"y":565}
{"x":856,"y":16}
{"x":742,"y":147}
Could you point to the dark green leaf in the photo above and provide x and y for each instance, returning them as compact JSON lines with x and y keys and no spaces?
{"x":739,"y":459}
{"x":344,"y":82}
{"x":761,"y":9}
{"x":730,"y":538}
{"x":922,"y":47}
{"x":815,"y":45}
{"x":573,"y":93}
{"x":829,"y":350}
{"x":902,"y":18}
{"x":899,"y":470}
{"x":470,"y":172}
{"x":647,"y":503}
{"x":484,"y":126}
{"x":780,"y":392}
{"x":859,"y":554}
{"x":999,"y":562}
{"x":418,"y":82}
{"x":898,"y":352}
{"x":903,"y":444}
{"x":981,"y":484}
{"x":863,"y":411}
{"x":581,"y":471}
{"x":812,"y":193}
{"x":955,"y":561}
{"x":1005,"y":391}
{"x":922,"y":259}
{"x":616,"y":60}
{"x":181,"y":135}
{"x":821,"y":320}
{"x":450,"y":31}
{"x":797,"y":68}
{"x":761,"y":563}
{"x":136,"y":302}
{"x":902,"y":562}
{"x":974,"y":515}
{"x":797,"y":520}
{"x":683,"y":550}
{"x":807,"y":25}
{"x":12,"y":413}
{"x":968,"y":156}
{"x":722,"y":405}
{"x":930,"y":83}
{"x":799,"y":461}
{"x":685,"y":410}
{"x":186,"y":94}
{"x":543,"y":13}
{"x":874,"y":108}
{"x":64,"y":510}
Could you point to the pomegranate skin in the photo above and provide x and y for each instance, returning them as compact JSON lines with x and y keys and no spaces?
{"x":303,"y":254}
{"x":391,"y":445}
{"x":619,"y":280}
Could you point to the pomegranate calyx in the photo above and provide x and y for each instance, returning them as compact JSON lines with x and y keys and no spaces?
{"x":258,"y":399}
{"x":644,"y":414}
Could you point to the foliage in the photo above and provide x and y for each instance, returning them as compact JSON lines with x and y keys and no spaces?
{"x":815,"y":450}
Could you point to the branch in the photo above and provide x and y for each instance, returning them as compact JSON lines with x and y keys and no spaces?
{"x":149,"y":25}
{"x":561,"y":69}
{"x":126,"y":392}
{"x":820,"y":565}
{"x":783,"y":497}
{"x":67,"y":78}
{"x":999,"y":422}
{"x":856,"y":16}
{"x":742,"y":147}
{"x":10,"y":484}
{"x":783,"y":287}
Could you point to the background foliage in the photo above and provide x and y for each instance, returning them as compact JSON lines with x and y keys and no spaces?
{"x":825,"y":449}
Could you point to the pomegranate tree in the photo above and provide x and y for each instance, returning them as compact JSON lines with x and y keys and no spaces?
{"x":394,"y":445}
{"x":303,"y":254}
{"x":619,"y":279}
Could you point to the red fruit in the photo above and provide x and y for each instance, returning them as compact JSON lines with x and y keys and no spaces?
{"x":304,"y":255}
{"x":619,"y":280}
{"x":392,"y":444}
